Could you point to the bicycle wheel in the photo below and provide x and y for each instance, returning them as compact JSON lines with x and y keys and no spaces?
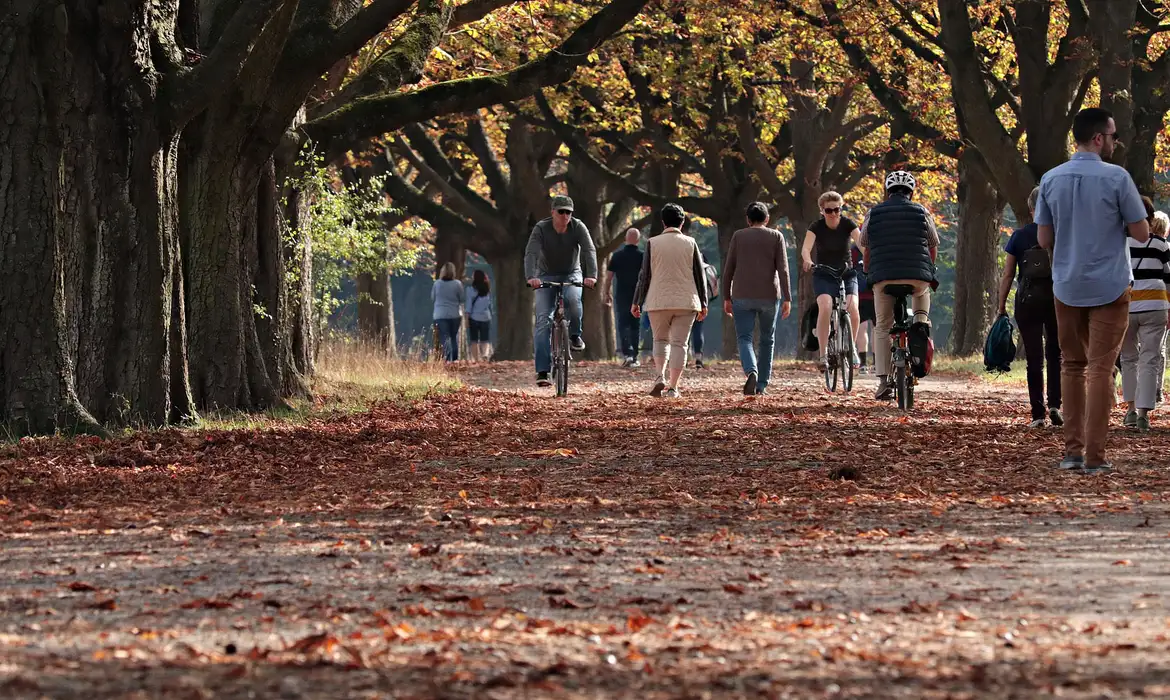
{"x":830,"y":357}
{"x":561,"y":359}
{"x":902,"y":387}
{"x":846,"y":352}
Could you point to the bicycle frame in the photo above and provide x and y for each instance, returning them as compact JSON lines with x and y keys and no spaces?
{"x":561,"y":352}
{"x":840,"y":358}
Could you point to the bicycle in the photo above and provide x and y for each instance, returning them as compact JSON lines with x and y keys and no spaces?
{"x":561,"y":352}
{"x":840,"y":344}
{"x":900,"y":358}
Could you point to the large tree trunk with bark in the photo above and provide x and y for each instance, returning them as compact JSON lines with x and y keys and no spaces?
{"x":221,"y":246}
{"x":976,"y":270}
{"x":88,"y":250}
{"x":514,"y":304}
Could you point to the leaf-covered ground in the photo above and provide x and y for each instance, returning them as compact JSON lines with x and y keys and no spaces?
{"x":497,"y":542}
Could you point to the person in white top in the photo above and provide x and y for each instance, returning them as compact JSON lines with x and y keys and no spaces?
{"x":1143,"y":352}
{"x":672,"y":288}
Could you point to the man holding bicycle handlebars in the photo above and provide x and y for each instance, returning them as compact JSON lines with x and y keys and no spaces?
{"x":830,"y":237}
{"x":558,"y":248}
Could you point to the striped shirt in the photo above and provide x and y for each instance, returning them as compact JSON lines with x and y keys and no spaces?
{"x":1150,"y":263}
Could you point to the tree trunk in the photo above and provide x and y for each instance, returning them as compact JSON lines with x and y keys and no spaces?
{"x":449,"y":248}
{"x":298,"y":320}
{"x":976,"y":270}
{"x":514,"y":304}
{"x":221,"y":236}
{"x":88,"y":250}
{"x":805,"y":299}
{"x":730,"y":349}
{"x":597,"y":327}
{"x":375,"y":312}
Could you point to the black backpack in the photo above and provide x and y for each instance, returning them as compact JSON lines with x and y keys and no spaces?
{"x":1000,"y":348}
{"x":1035,"y":286}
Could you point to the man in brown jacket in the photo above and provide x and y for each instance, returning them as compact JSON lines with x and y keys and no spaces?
{"x":755,"y":276}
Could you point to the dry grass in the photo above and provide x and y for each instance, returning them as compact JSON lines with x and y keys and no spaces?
{"x":350,"y":378}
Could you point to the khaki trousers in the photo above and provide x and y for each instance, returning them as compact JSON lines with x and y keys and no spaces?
{"x":883,"y":307}
{"x":1090,"y":338}
{"x":672,"y":334}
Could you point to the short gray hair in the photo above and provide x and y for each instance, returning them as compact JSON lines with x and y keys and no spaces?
{"x":1032,"y":198}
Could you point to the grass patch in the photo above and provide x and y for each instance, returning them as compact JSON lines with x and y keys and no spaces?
{"x":350,"y":378}
{"x":972,"y":367}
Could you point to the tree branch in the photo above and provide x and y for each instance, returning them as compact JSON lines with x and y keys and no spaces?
{"x":436,"y":166}
{"x":702,"y":206}
{"x":372,"y":116}
{"x":191,"y":90}
{"x":761,"y":167}
{"x":477,"y":140}
{"x":412,"y":199}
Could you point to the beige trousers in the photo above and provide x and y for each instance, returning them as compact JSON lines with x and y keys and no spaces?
{"x":672,"y":335}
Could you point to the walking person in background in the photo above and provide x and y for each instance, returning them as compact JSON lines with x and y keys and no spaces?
{"x":1035,"y":315}
{"x":712,"y":279}
{"x":1143,"y":351}
{"x":865,"y":311}
{"x":1085,"y":208}
{"x":479,"y":317}
{"x":621,"y":282}
{"x":755,"y":283}
{"x":828,"y":240}
{"x":673,"y":291}
{"x":448,"y":297}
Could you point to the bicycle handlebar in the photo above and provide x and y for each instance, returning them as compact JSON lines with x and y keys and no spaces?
{"x":553,"y":285}
{"x":831,"y":270}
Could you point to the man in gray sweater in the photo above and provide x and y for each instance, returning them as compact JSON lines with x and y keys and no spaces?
{"x":557,"y":250}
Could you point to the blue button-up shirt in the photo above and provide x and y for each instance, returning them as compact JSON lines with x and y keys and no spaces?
{"x":1088,"y":203}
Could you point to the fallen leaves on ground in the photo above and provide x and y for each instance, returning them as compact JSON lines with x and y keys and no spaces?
{"x":494,"y":542}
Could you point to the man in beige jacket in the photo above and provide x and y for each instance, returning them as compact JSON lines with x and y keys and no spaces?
{"x":673,"y":290}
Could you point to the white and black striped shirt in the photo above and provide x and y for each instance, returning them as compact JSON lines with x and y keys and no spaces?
{"x":1150,"y":262}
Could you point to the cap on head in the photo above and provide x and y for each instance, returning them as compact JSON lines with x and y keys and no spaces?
{"x":562,"y":202}
{"x":900,"y":178}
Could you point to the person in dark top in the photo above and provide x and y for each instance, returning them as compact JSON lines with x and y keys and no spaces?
{"x":621,"y":281}
{"x":899,"y":242}
{"x":828,"y":241}
{"x":865,"y":311}
{"x":559,"y":249}
{"x":1035,"y":315}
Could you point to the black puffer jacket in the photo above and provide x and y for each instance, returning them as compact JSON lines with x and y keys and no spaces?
{"x":899,"y":242}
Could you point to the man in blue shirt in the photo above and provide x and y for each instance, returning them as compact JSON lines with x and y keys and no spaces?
{"x":624,"y":266}
{"x":1085,"y":210}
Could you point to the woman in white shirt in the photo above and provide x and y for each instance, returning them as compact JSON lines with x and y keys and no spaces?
{"x":1143,"y":352}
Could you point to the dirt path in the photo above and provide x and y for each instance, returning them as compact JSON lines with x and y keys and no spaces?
{"x":500,"y":543}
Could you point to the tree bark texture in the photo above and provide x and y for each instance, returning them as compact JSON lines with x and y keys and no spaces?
{"x":375,"y":311}
{"x":976,"y":268}
{"x":515,"y":304}
{"x":88,"y":223}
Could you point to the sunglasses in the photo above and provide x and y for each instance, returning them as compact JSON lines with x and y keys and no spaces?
{"x":1112,"y":134}
{"x":832,"y":210}
{"x":564,"y":212}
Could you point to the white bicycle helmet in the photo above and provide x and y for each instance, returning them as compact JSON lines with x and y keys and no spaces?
{"x":900,"y":178}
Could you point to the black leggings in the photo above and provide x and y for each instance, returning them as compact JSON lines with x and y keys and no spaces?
{"x":1038,"y":333}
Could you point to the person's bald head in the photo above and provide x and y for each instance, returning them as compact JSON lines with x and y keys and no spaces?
{"x":633,"y":235}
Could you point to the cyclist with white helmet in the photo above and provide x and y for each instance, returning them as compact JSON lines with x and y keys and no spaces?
{"x":900,"y":243}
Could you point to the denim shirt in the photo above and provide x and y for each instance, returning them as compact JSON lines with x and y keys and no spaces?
{"x":1088,"y":203}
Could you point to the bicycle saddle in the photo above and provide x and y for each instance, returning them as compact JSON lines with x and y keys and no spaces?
{"x":899,"y":290}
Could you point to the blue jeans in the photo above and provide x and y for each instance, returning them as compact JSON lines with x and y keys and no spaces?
{"x":697,"y":337}
{"x":627,"y":328}
{"x":746,"y":312}
{"x":449,"y":337}
{"x":545,"y":306}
